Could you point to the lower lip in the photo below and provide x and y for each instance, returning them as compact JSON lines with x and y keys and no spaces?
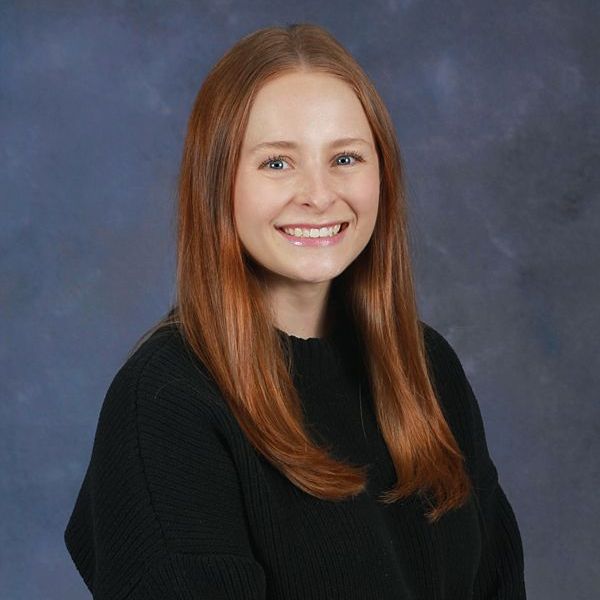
{"x":318,"y":241}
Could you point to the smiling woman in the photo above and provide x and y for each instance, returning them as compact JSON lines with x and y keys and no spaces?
{"x":292,"y":429}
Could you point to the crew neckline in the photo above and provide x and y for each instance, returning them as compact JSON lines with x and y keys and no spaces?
{"x":327,"y":341}
{"x":313,"y":358}
{"x":311,"y":346}
{"x":301,"y":339}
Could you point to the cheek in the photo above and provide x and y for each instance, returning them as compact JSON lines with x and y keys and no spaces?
{"x":260,"y":194}
{"x":254,"y":209}
{"x":366,"y":195}
{"x":246,"y":218}
{"x":245,"y":203}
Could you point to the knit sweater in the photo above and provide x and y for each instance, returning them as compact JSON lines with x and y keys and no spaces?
{"x":177,"y":504}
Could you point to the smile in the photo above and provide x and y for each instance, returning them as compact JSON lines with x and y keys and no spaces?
{"x":314,"y":232}
{"x":325,"y":236}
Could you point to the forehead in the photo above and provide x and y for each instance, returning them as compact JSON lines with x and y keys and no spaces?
{"x":305,"y":106}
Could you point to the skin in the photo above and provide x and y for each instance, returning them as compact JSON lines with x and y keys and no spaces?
{"x":312,"y":183}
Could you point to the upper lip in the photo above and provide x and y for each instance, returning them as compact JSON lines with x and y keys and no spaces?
{"x":312,"y":225}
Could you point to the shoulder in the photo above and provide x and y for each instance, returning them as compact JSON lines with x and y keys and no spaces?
{"x":449,"y":381}
{"x":160,"y":380}
{"x":442,"y":358}
{"x":436,"y":343}
{"x":163,"y":411}
{"x":445,"y":369}
{"x":164,"y":356}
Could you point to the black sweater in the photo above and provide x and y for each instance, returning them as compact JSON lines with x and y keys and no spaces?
{"x":176,"y":504}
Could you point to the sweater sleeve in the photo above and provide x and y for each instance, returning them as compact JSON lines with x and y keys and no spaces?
{"x":500,"y":575}
{"x":160,"y":513}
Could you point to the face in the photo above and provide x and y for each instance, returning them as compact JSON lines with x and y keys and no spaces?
{"x":322,"y":172}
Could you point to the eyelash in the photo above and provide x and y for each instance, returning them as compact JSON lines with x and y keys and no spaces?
{"x":358,"y":157}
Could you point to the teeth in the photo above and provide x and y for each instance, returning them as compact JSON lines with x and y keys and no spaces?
{"x":313,"y":233}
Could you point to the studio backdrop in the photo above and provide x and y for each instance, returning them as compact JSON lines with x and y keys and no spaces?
{"x":497,"y":111}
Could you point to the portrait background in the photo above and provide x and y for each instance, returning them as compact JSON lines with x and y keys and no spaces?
{"x":497,"y":111}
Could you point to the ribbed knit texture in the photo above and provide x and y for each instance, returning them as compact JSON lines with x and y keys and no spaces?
{"x":176,"y":504}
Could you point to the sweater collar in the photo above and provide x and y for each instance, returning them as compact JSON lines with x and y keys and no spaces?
{"x":322,"y":357}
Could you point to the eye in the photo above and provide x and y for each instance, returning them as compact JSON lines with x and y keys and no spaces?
{"x":281,"y":159}
{"x":355,"y":155}
{"x":273,"y":159}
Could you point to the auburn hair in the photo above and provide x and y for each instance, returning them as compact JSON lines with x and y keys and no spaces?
{"x":221,"y":307}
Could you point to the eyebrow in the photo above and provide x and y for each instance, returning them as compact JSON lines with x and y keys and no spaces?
{"x":284,"y":144}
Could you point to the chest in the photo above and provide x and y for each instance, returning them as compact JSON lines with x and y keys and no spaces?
{"x":361,"y":548}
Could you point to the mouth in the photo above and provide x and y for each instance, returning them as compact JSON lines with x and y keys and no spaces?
{"x":304,"y":231}
{"x":315,"y":237}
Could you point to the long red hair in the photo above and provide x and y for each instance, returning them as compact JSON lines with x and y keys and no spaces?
{"x":222,"y":311}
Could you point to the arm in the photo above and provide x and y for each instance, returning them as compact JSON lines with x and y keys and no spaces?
{"x":160,"y":513}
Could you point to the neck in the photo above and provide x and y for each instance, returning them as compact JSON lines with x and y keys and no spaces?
{"x":302,"y":310}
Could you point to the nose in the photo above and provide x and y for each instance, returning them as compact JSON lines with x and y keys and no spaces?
{"x":317,"y":188}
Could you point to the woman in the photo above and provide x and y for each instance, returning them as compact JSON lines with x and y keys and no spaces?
{"x":292,"y":429}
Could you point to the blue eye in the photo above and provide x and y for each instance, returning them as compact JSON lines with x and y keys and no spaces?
{"x":273,"y":159}
{"x":347,"y":155}
{"x":280,"y":159}
{"x":355,"y":155}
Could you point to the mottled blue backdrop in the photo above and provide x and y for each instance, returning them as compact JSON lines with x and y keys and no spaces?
{"x":497,"y":111}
